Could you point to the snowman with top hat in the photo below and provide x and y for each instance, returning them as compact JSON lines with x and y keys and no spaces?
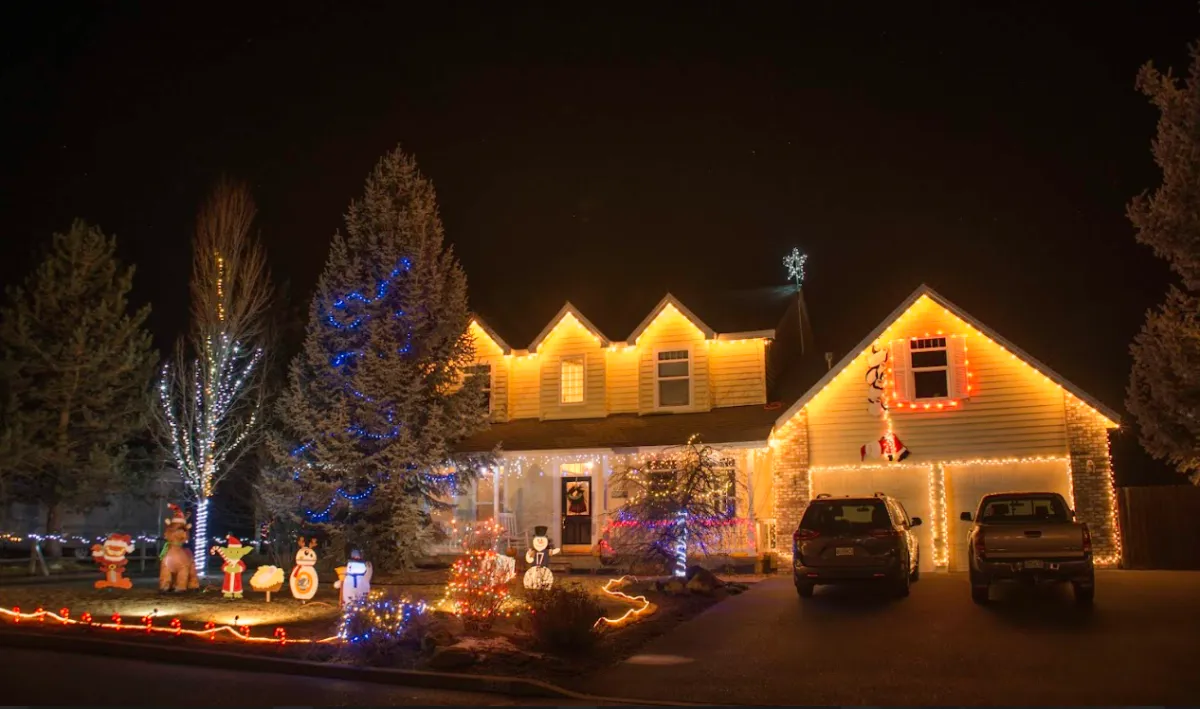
{"x":539,"y":576}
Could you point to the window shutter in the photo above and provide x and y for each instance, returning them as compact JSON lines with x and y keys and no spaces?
{"x":902,"y":383}
{"x":959,"y":381}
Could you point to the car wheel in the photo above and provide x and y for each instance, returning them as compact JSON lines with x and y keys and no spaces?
{"x":979,"y":588}
{"x":1084,"y":594}
{"x":903,"y":585}
{"x":805,"y":590}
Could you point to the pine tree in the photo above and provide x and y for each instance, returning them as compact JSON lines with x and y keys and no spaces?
{"x":78,"y":367}
{"x":1164,"y":389}
{"x":376,"y":400}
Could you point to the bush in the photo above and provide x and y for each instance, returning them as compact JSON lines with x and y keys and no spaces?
{"x":563,"y":619}
{"x":374,"y":630}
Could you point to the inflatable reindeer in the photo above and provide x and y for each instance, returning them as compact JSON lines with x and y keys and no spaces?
{"x":176,"y":567}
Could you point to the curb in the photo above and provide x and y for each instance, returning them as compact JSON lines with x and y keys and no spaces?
{"x":487,"y":684}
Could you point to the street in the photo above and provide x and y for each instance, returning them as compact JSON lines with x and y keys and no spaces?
{"x":36,"y":677}
{"x":849,"y":646}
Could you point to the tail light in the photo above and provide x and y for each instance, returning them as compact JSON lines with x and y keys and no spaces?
{"x":1087,"y":540}
{"x":980,"y":547}
{"x":884,"y":533}
{"x":805,"y":534}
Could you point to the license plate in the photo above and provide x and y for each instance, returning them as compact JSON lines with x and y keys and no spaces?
{"x":1034,"y":564}
{"x":844,"y":551}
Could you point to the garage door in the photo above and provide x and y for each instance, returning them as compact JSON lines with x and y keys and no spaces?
{"x":908,"y":485}
{"x":966,"y":484}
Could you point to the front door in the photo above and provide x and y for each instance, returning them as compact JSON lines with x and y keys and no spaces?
{"x":577,"y":512}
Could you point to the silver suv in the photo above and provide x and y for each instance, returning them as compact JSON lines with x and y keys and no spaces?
{"x":854,"y":540}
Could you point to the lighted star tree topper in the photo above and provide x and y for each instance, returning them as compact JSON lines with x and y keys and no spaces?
{"x":794,"y":263}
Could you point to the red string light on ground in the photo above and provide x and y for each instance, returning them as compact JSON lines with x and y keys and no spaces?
{"x":210,"y":628}
{"x":65,"y":613}
{"x":41,"y":614}
{"x":644,"y":607}
{"x":244,"y":630}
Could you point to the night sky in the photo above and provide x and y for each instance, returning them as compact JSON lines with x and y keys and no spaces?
{"x":607,"y":153}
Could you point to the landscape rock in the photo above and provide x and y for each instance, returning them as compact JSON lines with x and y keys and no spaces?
{"x":451,"y":658}
{"x":674,"y":587}
{"x":702,"y":581}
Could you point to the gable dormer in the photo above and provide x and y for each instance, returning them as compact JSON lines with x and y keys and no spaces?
{"x":571,"y":356}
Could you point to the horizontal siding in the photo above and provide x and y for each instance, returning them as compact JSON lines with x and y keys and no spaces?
{"x":1014,"y":411}
{"x":524,"y":384}
{"x":738,"y":372}
{"x":486,"y":351}
{"x":622,"y":380}
{"x":571,"y":339}
{"x":672,"y":330}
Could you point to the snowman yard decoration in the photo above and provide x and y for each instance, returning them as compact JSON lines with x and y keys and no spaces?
{"x":539,"y":576}
{"x":354,"y":579}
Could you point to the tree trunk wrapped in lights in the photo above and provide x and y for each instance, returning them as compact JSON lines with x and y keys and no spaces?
{"x":678,"y":502}
{"x":210,"y":395}
{"x":376,"y":400}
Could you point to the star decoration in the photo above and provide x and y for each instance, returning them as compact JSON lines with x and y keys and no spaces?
{"x":794,"y":263}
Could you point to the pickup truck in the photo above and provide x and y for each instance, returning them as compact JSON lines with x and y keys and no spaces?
{"x":1030,"y":537}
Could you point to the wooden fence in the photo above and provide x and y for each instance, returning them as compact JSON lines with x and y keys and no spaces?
{"x":1160,"y":527}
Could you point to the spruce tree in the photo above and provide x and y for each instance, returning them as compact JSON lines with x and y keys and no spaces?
{"x":377,"y":399}
{"x":1164,"y":389}
{"x":78,"y":366}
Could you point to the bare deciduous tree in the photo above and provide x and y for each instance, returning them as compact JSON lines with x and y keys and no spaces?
{"x":211,"y":393}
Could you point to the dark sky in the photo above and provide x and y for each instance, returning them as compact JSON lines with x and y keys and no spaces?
{"x":606,"y":153}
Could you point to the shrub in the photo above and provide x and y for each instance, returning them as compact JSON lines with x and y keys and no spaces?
{"x":373,"y":630}
{"x":563,"y":619}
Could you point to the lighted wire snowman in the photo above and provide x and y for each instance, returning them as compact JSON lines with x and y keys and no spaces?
{"x":539,"y":576}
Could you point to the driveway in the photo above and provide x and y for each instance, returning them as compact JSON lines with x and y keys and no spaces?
{"x":1137,"y":646}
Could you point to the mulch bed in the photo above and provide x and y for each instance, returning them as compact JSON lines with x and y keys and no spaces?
{"x":507,"y":649}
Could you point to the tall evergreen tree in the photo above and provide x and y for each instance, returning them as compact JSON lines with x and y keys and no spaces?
{"x":1164,"y":385}
{"x":377,"y":398}
{"x":78,"y":366}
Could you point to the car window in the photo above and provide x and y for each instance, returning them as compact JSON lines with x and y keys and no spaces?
{"x":902,"y":514}
{"x":1031,"y":508}
{"x":846,"y":516}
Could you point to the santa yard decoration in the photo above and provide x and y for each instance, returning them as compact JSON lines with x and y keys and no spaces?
{"x":111,"y":558}
{"x":887,"y":447}
{"x":176,"y":567}
{"x":303,"y":581}
{"x":354,"y":579}
{"x":539,"y":576}
{"x":231,"y":554}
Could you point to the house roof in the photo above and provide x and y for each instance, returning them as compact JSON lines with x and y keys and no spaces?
{"x":563,"y":312}
{"x":620,"y":314}
{"x":735,"y":424}
{"x":805,"y":371}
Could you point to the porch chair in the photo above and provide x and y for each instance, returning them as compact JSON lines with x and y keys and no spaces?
{"x":511,"y":537}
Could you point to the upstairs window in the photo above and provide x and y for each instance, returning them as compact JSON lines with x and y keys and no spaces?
{"x":484,"y":372}
{"x":571,"y":380}
{"x":673,"y":378}
{"x":930,"y":370}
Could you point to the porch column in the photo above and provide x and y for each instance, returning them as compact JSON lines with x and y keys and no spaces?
{"x":750,"y":528}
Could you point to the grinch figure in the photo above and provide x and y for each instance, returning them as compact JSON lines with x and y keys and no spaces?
{"x":232,"y":554}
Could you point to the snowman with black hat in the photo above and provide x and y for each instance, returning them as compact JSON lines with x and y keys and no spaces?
{"x":539,"y":576}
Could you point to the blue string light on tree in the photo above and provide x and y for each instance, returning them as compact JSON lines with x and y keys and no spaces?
{"x":323,"y":515}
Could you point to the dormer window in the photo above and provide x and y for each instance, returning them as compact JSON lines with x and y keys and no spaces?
{"x":673,"y":378}
{"x":571,"y":388}
{"x":930,"y":370}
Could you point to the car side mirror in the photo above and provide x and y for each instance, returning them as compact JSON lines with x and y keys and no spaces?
{"x":916,"y":522}
{"x":965,"y":516}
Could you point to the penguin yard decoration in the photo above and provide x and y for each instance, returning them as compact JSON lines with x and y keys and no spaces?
{"x":539,"y":576}
{"x":355,"y":580}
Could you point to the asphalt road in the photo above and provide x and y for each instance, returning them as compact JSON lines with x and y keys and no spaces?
{"x":1136,"y":646}
{"x":35,"y":677}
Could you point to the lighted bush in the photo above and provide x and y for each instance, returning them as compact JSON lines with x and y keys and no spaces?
{"x":374,"y":629}
{"x":478,"y":586}
{"x":563,"y":619}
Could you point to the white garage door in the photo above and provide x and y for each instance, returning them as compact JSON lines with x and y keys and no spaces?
{"x":966,"y":484}
{"x":908,"y":485}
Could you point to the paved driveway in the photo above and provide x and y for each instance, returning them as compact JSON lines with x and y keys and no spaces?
{"x":1138,"y":645}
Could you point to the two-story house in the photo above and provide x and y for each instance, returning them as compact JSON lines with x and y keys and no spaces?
{"x":930,"y":406}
